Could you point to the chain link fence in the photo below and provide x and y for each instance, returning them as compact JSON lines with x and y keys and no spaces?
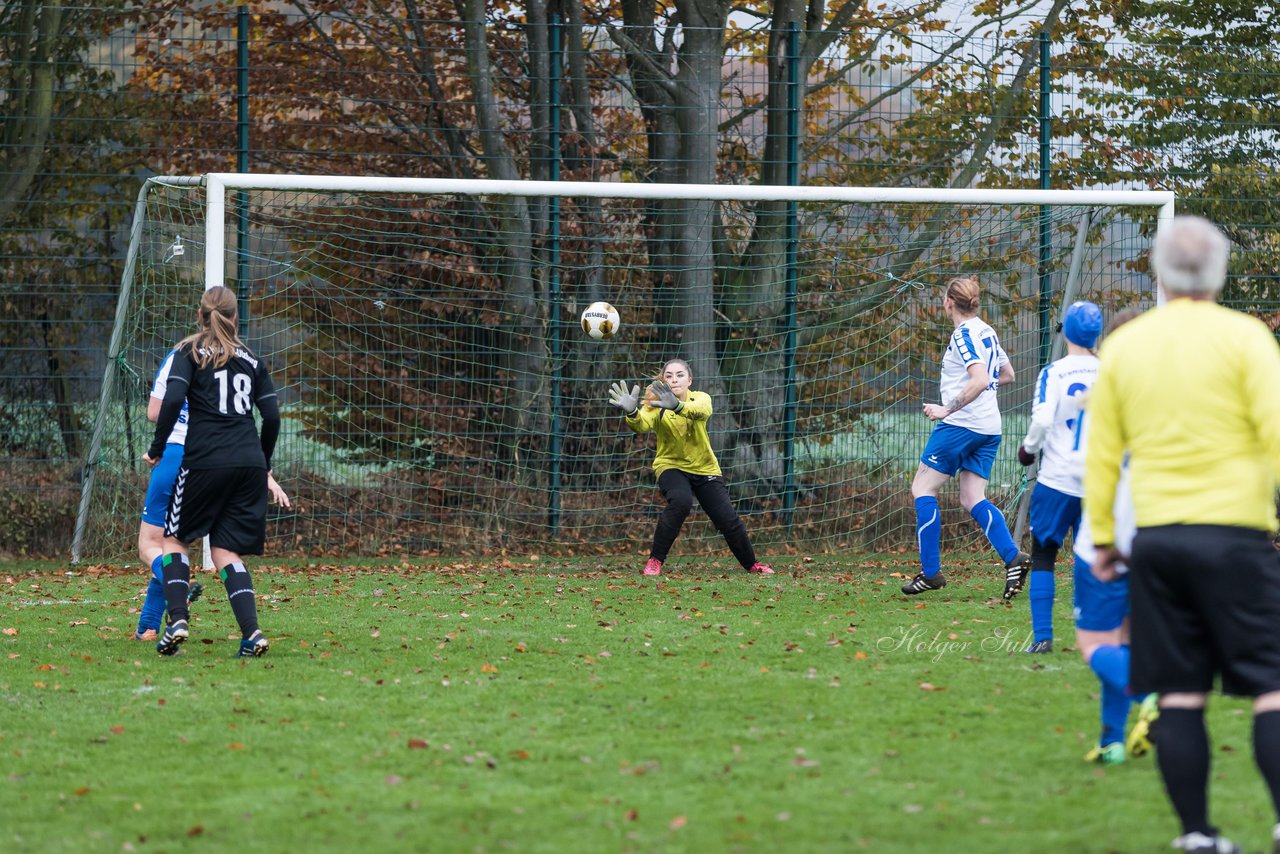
{"x":99,"y":98}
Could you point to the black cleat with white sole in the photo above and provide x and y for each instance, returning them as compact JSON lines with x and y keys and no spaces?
{"x":922,"y":582}
{"x":1015,"y":575}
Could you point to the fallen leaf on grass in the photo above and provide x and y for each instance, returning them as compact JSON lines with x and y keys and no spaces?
{"x":929,"y":686}
{"x":10,"y":631}
{"x":418,"y":744}
{"x":678,"y":822}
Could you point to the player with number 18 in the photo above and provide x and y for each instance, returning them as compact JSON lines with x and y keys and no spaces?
{"x":221,"y":489}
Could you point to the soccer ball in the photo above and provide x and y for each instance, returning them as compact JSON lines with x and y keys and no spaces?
{"x":600,"y":320}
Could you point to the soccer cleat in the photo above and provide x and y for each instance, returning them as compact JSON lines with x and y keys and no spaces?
{"x":1202,"y":844}
{"x":922,"y":582}
{"x":174,"y":636}
{"x":195,"y":592}
{"x":254,"y":646}
{"x":1015,"y":575}
{"x":1040,"y":647}
{"x":653,"y":567}
{"x":761,"y":568}
{"x":1139,"y":741}
{"x":1111,"y":754}
{"x":147,"y":635}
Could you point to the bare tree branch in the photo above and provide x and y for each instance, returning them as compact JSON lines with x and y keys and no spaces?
{"x":28,"y":101}
{"x":857,"y":115}
{"x":893,"y":275}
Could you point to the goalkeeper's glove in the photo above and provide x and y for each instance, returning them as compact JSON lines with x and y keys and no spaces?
{"x":627,"y":401}
{"x":666,"y":397}
{"x":1025,"y":457}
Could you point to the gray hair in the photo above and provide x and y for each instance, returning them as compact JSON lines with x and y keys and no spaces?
{"x":1189,"y":256}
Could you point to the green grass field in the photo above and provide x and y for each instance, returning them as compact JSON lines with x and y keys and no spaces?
{"x":555,"y":705}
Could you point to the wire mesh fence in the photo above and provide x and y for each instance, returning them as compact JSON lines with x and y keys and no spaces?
{"x":103,"y":97}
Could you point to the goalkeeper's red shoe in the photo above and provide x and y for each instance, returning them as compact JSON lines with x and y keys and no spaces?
{"x":761,"y":568}
{"x":653,"y":567}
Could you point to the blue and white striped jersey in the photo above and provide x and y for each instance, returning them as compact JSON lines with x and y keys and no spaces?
{"x":973,"y":342}
{"x":1125,"y":520}
{"x":179,"y":434}
{"x":1057,"y":421}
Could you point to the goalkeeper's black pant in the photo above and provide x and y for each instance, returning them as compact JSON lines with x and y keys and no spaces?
{"x":679,"y":489}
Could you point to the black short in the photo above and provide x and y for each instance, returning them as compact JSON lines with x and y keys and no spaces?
{"x":230,"y":505}
{"x":1205,"y":601}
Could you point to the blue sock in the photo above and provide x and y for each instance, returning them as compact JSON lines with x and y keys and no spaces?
{"x":153,"y":605}
{"x":994,"y":529}
{"x":1041,"y":596}
{"x":1111,"y":663}
{"x":929,"y":535}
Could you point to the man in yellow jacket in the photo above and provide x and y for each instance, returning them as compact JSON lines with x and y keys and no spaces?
{"x":1192,"y":391}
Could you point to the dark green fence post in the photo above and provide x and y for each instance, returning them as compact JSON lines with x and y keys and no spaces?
{"x":1046,"y":236}
{"x":554,"y":324}
{"x":242,"y":166}
{"x":794,"y":96}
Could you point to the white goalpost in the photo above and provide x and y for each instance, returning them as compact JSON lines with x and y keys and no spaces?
{"x":438,"y":397}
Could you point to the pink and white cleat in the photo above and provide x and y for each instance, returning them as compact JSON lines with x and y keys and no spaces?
{"x":653,"y":567}
{"x":762,"y":568}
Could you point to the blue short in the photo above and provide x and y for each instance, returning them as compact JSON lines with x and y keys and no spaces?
{"x":1053,"y":514}
{"x":1100,"y":606}
{"x":161,"y":485}
{"x":951,"y":448}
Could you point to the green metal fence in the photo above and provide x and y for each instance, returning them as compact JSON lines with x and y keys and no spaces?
{"x":99,"y":98}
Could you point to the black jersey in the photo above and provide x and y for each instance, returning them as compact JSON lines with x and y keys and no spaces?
{"x":221,"y":432}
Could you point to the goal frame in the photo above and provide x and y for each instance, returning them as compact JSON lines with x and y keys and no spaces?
{"x":217,"y":184}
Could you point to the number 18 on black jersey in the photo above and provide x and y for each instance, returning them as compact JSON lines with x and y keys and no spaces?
{"x":221,"y":430}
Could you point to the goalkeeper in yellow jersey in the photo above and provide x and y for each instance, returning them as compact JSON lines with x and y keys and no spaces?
{"x":685,"y":464}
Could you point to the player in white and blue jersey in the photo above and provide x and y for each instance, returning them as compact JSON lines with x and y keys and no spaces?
{"x":964,"y":442}
{"x":159,"y":488}
{"x":1101,"y":615}
{"x":1056,"y":434}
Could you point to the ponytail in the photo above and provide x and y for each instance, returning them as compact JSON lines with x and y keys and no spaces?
{"x":217,"y":338}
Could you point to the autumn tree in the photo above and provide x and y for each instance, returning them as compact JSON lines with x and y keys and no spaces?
{"x":1173,"y":96}
{"x":676,"y":60}
{"x":60,"y":231}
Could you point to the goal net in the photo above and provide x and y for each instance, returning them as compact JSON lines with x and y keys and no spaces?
{"x":439,"y":396}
